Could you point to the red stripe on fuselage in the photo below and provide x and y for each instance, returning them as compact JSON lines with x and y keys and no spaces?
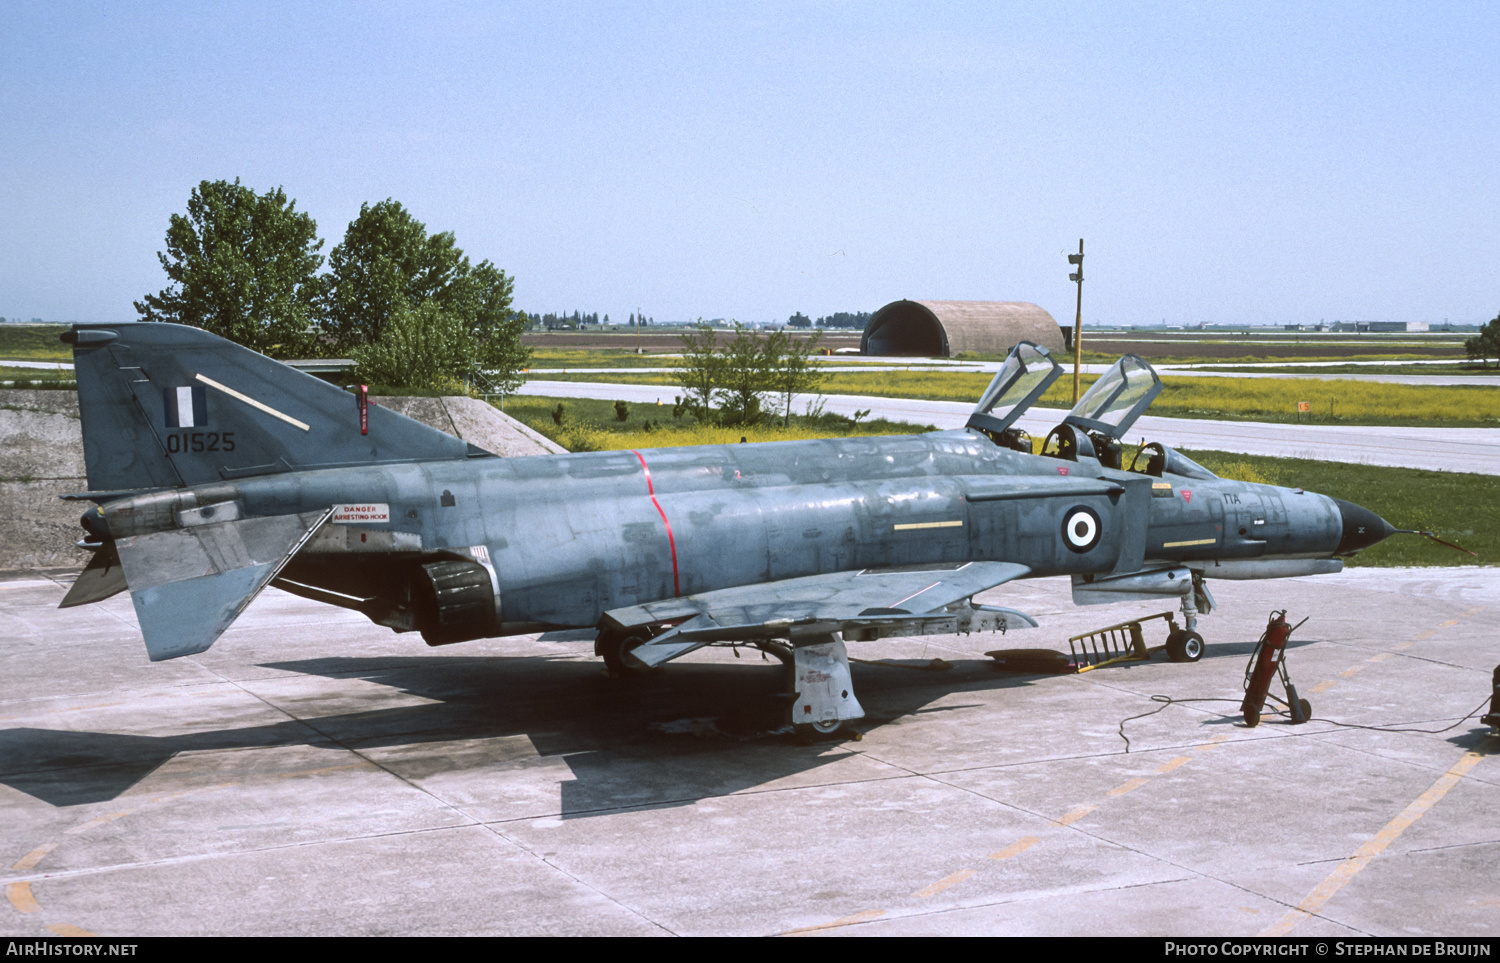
{"x":671,"y":542}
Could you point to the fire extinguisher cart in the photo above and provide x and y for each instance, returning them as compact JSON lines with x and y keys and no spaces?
{"x":1266,"y":663}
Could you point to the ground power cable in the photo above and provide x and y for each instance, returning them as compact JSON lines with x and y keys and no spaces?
{"x":1168,"y":701}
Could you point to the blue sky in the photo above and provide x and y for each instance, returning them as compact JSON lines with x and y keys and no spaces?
{"x":1235,"y":163}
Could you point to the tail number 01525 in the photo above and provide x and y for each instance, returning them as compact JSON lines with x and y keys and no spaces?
{"x":197,"y":441}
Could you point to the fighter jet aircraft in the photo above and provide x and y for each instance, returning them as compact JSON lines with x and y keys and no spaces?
{"x":216,"y":471}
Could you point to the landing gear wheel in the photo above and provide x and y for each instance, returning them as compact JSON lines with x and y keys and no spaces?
{"x":1183,"y":646}
{"x":1252,"y":718}
{"x":810,"y":731}
{"x":616,"y":652}
{"x":1306,"y":708}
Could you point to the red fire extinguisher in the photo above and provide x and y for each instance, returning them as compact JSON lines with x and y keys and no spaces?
{"x":1269,"y":659}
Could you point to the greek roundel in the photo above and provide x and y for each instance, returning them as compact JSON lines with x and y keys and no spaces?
{"x":1081,"y":528}
{"x":186,"y":407}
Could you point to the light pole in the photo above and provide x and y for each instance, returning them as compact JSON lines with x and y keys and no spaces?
{"x":1077,"y":277}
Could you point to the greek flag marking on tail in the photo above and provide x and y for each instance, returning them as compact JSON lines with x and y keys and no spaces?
{"x":186,"y":407}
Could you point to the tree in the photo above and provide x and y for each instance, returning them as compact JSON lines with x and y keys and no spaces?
{"x":1486,"y":344}
{"x":244,"y":266}
{"x":424,"y":347}
{"x":387,"y":260}
{"x":700,"y":370}
{"x":792,"y":370}
{"x":799,"y":320}
{"x":389,"y":267}
{"x":746,"y":376}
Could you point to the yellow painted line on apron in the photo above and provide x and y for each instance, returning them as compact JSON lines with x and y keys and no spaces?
{"x":20,"y":897}
{"x":1402,"y":646}
{"x":909,"y":526}
{"x":98,"y":821}
{"x":1171,"y":764}
{"x":34,"y":857}
{"x":1392,"y":831}
{"x":1215,"y":742}
{"x":1381,"y":657}
{"x":68,"y":929}
{"x":1073,"y":815}
{"x":1448,"y":624}
{"x":1323,"y":686}
{"x":1016,"y":848}
{"x":861,"y":917}
{"x":1426,"y":635}
{"x":1473,"y":611}
{"x":1126,"y":787}
{"x":944,"y":883}
{"x":1351,"y":670}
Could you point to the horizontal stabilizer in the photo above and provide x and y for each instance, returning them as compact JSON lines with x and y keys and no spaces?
{"x":101,"y":579}
{"x":870,"y":603}
{"x":190,"y":584}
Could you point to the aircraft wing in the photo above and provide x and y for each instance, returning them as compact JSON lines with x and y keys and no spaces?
{"x":865,"y":604}
{"x":189,"y":584}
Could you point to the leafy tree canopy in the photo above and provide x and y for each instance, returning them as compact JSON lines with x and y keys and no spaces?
{"x":701,"y":370}
{"x":1486,"y":344}
{"x":244,"y":266}
{"x":729,"y":384}
{"x":387,"y":260}
{"x":423,"y":347}
{"x":389,"y":267}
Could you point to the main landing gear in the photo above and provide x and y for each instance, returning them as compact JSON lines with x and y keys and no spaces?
{"x":615,"y":648}
{"x":820,"y":688}
{"x":824,"y":698}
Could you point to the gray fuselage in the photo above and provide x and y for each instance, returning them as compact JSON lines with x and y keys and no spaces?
{"x":570,"y":537}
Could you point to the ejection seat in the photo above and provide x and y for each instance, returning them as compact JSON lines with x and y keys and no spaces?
{"x":1106,"y":411}
{"x":1156,"y":459}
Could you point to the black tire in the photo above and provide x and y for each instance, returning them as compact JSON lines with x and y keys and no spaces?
{"x":1306,"y":709}
{"x":812,"y":731}
{"x":1184,"y":646}
{"x":616,"y":652}
{"x":1252,"y":718}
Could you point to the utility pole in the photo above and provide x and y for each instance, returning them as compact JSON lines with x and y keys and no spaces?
{"x":1077,"y":278}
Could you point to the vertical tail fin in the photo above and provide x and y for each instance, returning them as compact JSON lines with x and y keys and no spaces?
{"x":165,"y":406}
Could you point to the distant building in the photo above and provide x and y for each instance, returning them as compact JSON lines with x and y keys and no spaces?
{"x":944,"y":328}
{"x":1380,"y":326}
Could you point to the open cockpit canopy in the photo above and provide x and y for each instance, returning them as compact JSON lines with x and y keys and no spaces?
{"x":1027,"y":372}
{"x":1117,"y":399}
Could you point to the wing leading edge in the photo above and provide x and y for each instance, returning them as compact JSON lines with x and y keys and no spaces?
{"x":863,"y":605}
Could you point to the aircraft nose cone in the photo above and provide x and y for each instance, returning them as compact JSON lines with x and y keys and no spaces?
{"x":1362,"y":527}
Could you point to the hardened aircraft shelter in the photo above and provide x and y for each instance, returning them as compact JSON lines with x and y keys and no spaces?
{"x":942,"y":329}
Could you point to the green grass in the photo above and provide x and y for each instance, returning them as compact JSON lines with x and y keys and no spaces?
{"x":34,"y":342}
{"x":1460,"y":508}
{"x":592,"y":425}
{"x":1456,"y":367}
{"x":1233,"y":399}
{"x":600,"y":358}
{"x":35,"y":378}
